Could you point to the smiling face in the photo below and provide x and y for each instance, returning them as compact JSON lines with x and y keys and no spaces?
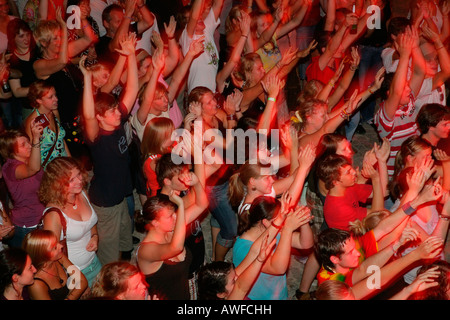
{"x":75,"y":182}
{"x":26,"y":278}
{"x":22,"y":40}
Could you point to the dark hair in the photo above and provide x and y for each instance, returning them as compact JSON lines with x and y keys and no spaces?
{"x":166,"y":169}
{"x":330,"y":242}
{"x":104,"y":102}
{"x":12,"y":261}
{"x":150,"y":211}
{"x":386,"y":85}
{"x":430,"y":115}
{"x":396,"y":26}
{"x":262,"y":207}
{"x":212,"y":279}
{"x":106,"y":14}
{"x":13,"y":29}
{"x":329,"y":170}
{"x":437,"y":292}
{"x":8,"y":142}
{"x":328,"y":144}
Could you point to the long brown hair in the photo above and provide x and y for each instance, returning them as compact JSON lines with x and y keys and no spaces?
{"x":156,"y":132}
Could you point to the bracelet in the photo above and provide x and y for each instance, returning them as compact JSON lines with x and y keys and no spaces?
{"x":353,"y":68}
{"x":95,"y":234}
{"x":259,"y":260}
{"x":331,"y":83}
{"x":245,"y":36}
{"x":231,"y":117}
{"x":171,"y":38}
{"x":271,"y":99}
{"x":370,"y":91}
{"x":238,"y":110}
{"x":275,"y":226}
{"x":344,"y":114}
{"x":36,"y":145}
{"x":408,"y":209}
{"x":445,"y":218}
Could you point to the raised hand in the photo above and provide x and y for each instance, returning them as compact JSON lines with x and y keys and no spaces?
{"x":245,"y":23}
{"x":307,"y":156}
{"x":128,"y":45}
{"x":296,"y":218}
{"x":197,"y":46}
{"x":272,"y":85}
{"x":415,"y":181}
{"x":304,"y":53}
{"x":356,"y":58}
{"x":171,"y":27}
{"x":382,"y":153}
{"x":425,"y":280}
{"x":157,"y":40}
{"x":441,"y":155}
{"x":430,"y":248}
{"x":233,"y":102}
{"x":379,"y":78}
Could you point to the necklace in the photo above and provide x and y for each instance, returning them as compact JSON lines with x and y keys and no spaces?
{"x":74,"y":205}
{"x":56,"y":276}
{"x":21,"y":54}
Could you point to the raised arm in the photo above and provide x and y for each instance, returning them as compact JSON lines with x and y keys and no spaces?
{"x":403,"y":44}
{"x":91,"y":126}
{"x":196,"y":12}
{"x":46,"y":67}
{"x":29,"y":169}
{"x":148,"y":19}
{"x":132,"y":84}
{"x":149,"y":93}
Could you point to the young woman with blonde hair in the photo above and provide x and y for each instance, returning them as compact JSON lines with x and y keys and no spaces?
{"x":55,"y":272}
{"x":69,"y":214}
{"x":155,"y":142}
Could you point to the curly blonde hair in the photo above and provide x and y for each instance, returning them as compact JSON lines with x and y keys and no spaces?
{"x":55,"y":182}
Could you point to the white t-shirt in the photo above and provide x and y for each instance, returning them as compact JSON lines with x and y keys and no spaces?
{"x":203,"y":69}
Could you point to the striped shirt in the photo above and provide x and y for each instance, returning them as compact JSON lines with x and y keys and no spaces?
{"x":397,"y":130}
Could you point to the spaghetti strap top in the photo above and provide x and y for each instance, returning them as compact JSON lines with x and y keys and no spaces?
{"x":48,"y":139}
{"x":171,"y":281}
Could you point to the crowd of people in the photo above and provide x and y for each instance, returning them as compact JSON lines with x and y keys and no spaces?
{"x":126,"y":117}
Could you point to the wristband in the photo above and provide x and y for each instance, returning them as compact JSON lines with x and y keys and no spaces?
{"x":271,"y":99}
{"x":231,"y":117}
{"x":352,"y":68}
{"x":408,"y":209}
{"x":344,"y":114}
{"x":275,"y":226}
{"x":445,"y":218}
{"x":370,"y":91}
{"x":36,"y":145}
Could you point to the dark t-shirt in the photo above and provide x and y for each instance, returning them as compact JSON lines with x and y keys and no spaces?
{"x":111,"y":165}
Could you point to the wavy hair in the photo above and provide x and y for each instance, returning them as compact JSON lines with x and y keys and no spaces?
{"x":56,"y":179}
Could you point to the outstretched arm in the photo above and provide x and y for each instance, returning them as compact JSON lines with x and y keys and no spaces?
{"x":91,"y":126}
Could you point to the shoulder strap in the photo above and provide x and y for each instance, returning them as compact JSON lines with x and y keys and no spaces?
{"x":54,"y":144}
{"x":61,"y":216}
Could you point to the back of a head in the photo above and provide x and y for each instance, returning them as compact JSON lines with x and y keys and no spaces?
{"x":262,"y":207}
{"x":334,"y":290}
{"x":442,"y":290}
{"x":212,"y":279}
{"x":397,"y":25}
